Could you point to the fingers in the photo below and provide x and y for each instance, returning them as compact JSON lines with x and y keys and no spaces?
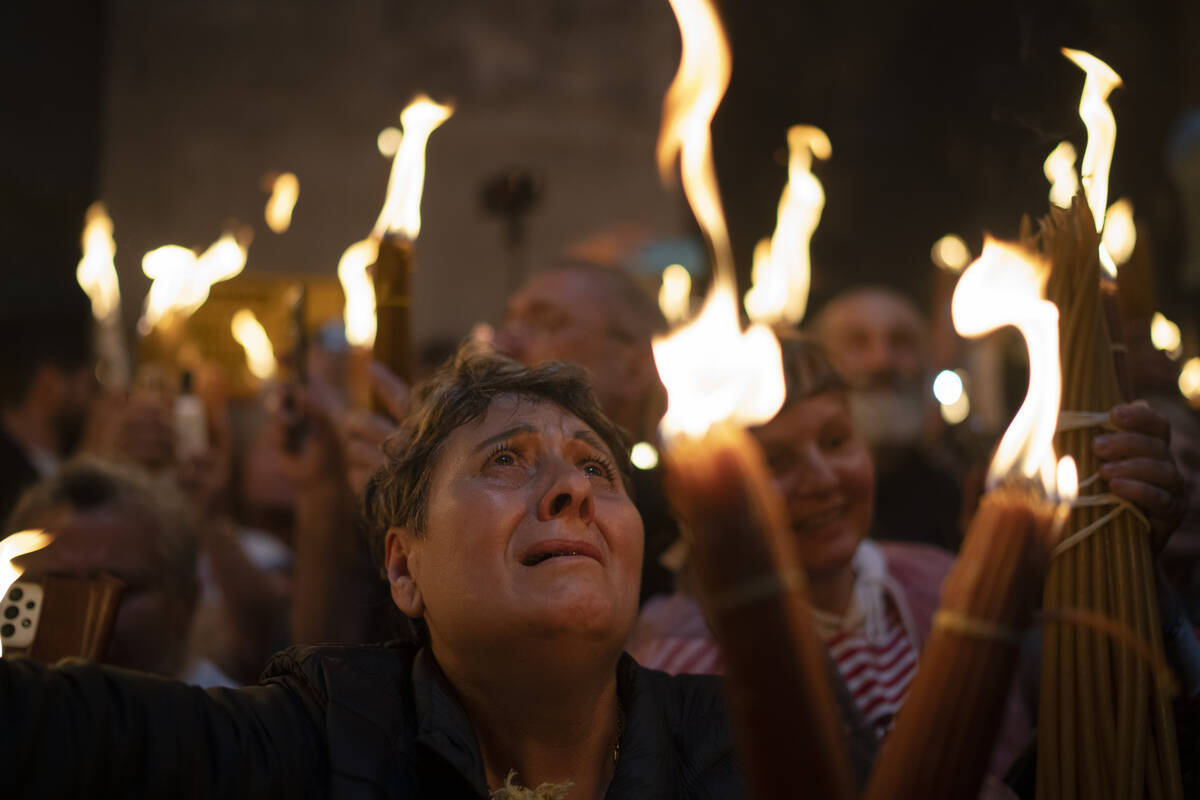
{"x":391,"y":390}
{"x":1124,"y":445}
{"x":1157,"y":503}
{"x":1139,"y":418}
{"x":1153,"y":471}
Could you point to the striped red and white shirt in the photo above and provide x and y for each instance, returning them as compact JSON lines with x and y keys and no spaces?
{"x":877,"y":671}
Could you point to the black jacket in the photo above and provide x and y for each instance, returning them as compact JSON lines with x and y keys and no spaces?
{"x":329,"y":721}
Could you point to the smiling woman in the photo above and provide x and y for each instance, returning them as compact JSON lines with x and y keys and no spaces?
{"x":505,"y":524}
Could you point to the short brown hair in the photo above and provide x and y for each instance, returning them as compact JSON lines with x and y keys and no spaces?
{"x":807,"y":370}
{"x":460,"y":392}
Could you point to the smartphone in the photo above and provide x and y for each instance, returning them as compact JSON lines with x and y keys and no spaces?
{"x":19,"y":614}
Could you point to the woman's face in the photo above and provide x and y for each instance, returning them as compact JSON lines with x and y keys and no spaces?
{"x":529,"y":533}
{"x":825,"y":473}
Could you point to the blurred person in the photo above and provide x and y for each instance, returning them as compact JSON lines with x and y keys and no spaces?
{"x":47,"y":384}
{"x":879,"y":343}
{"x":504,"y":524}
{"x":873,"y":603}
{"x":108,"y":519}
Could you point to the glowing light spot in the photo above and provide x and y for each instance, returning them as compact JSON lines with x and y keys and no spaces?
{"x":644,"y":455}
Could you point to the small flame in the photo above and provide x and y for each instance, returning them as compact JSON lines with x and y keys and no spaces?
{"x":1101,"y":126}
{"x":388,"y":141}
{"x":675,"y":294}
{"x":182,"y":280}
{"x":950,"y":253}
{"x":402,"y":209}
{"x":14,"y":546}
{"x":250,"y":334}
{"x":1120,"y":234}
{"x":284,"y":194}
{"x":782,"y":271}
{"x":360,"y":292}
{"x":1189,"y":380}
{"x":96,"y":273}
{"x":1006,"y":286}
{"x":1165,"y":335}
{"x":1060,"y":171}
{"x":714,"y":372}
{"x":688,"y":109}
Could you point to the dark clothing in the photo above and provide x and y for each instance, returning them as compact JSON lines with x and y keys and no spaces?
{"x":368,"y":721}
{"x":16,"y":475}
{"x":661,"y":531}
{"x":916,"y":500}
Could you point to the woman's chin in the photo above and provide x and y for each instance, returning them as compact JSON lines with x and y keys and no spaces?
{"x":828,"y":550}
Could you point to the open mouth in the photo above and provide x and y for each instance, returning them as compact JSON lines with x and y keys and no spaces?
{"x":545,"y":551}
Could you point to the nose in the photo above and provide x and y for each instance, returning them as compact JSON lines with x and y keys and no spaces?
{"x":568,"y":495}
{"x":810,"y":474}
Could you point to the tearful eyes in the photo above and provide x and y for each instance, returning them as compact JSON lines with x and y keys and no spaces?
{"x":592,"y":465}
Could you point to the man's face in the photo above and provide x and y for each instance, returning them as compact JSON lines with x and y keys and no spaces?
{"x":529,"y":534}
{"x":152,"y":618}
{"x":568,"y":315}
{"x":875,"y":340}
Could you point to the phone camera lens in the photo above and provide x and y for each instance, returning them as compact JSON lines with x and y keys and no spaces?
{"x":25,"y":623}
{"x":10,"y":612}
{"x":29,"y":604}
{"x":7,"y":629}
{"x":16,"y":594}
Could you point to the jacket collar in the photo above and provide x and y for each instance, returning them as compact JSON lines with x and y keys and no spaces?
{"x":646,"y":766}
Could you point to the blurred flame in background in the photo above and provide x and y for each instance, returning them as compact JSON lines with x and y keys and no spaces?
{"x":250,"y":334}
{"x":675,"y":294}
{"x":1165,"y":335}
{"x":359,"y":289}
{"x":950,"y":253}
{"x":182,"y":280}
{"x":1120,"y":234}
{"x":1189,"y":380}
{"x":782,"y":269}
{"x":401,"y":211}
{"x":284,"y":193}
{"x":1006,"y":286}
{"x":97,"y":272}
{"x":951,"y":394}
{"x":1060,"y":171}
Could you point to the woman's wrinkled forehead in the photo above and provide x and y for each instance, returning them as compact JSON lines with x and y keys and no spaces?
{"x":512,"y":415}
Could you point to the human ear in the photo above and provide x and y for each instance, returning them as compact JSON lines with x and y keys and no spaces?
{"x":398,"y":562}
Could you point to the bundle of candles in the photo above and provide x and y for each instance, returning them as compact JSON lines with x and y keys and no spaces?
{"x":1105,"y":725}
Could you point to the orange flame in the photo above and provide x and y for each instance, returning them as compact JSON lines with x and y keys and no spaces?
{"x":1006,"y":286}
{"x":250,"y":334}
{"x":713,"y":371}
{"x":14,"y":546}
{"x":284,"y":193}
{"x":182,"y":280}
{"x":782,"y":271}
{"x":688,"y":109}
{"x":96,"y":273}
{"x":402,"y":208}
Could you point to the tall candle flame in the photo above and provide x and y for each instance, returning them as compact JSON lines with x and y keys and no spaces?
{"x":1101,"y":126}
{"x":688,"y":109}
{"x":14,"y":546}
{"x":250,"y":334}
{"x":182,"y":280}
{"x":359,"y":313}
{"x":401,"y":211}
{"x":1006,"y":286}
{"x":96,"y":273}
{"x":1060,"y":171}
{"x":712,"y":370}
{"x":783,"y":271}
{"x":284,"y":193}
{"x":1165,"y":335}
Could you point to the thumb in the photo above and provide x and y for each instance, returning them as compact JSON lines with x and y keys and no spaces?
{"x":393,"y":392}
